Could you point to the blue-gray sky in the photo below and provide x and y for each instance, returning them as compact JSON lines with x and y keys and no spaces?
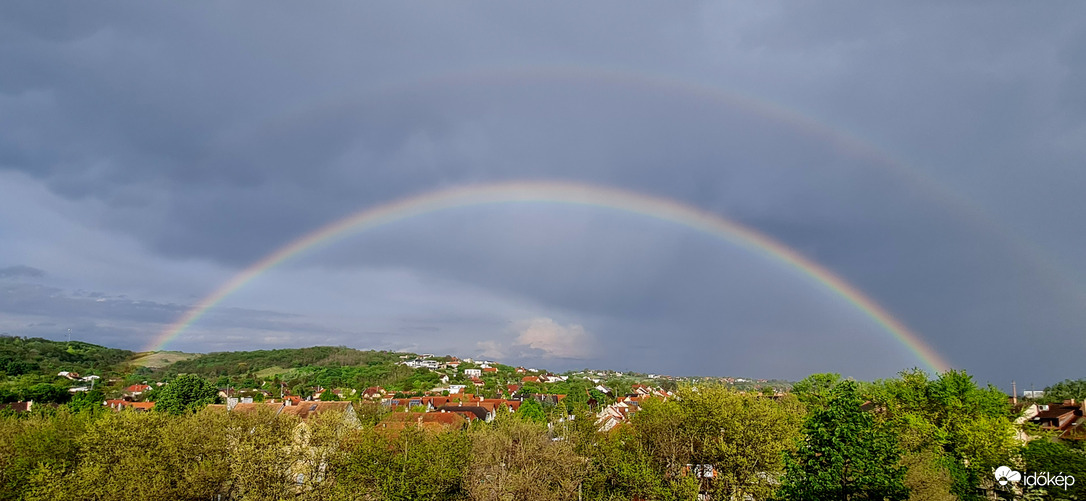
{"x":932,"y":155}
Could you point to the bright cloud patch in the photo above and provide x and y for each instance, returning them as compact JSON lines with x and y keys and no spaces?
{"x":555,"y":340}
{"x":490,"y":349}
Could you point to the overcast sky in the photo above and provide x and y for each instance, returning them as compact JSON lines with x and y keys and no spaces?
{"x":930,"y":155}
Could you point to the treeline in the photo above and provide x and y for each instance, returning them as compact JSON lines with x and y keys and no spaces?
{"x":29,"y":367}
{"x":1067,"y":389}
{"x":910,"y":437}
{"x":156,"y":455}
{"x":19,"y":355}
{"x":235,"y":363}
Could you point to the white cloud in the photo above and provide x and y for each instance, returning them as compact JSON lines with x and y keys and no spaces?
{"x":555,"y":340}
{"x":490,"y":349}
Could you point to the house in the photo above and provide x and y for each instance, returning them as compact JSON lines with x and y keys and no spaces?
{"x":477,"y":382}
{"x":1067,"y":418}
{"x":304,"y":412}
{"x":470,"y":412}
{"x":70,"y":375}
{"x":611,"y":416}
{"x":373,"y":393}
{"x":18,"y":406}
{"x":232,"y":401}
{"x":548,"y":399}
{"x":436,"y":421}
{"x":473,"y":372}
{"x":490,"y":369}
{"x":121,"y":404}
{"x":136,"y":390}
{"x":494,"y":404}
{"x":530,"y":379}
{"x":141,"y":406}
{"x":457,"y":388}
{"x":521,"y":370}
{"x":310,"y":410}
{"x":422,"y":363}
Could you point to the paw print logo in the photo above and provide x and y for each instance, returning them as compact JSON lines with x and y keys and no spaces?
{"x":1004,"y":474}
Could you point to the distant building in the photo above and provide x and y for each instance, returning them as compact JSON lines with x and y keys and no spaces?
{"x":422,"y":363}
{"x":18,"y":406}
{"x":121,"y":404}
{"x":136,"y":390}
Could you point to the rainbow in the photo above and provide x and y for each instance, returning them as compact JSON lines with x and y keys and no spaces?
{"x":565,"y":193}
{"x":956,"y":204}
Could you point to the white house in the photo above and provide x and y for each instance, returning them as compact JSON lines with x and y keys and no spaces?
{"x":426,"y":364}
{"x":473,"y":372}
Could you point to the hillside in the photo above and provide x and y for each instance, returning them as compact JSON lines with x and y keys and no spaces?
{"x":159,"y":359}
{"x":20,"y":356}
{"x":239,"y":363}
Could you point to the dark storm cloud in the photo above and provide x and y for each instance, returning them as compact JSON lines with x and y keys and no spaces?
{"x":21,"y":271}
{"x":219,"y":133}
{"x":132,"y":320}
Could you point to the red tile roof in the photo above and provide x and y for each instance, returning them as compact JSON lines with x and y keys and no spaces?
{"x":428,"y":420}
{"x":17,"y":406}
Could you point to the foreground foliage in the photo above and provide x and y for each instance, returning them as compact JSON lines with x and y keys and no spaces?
{"x":910,"y":437}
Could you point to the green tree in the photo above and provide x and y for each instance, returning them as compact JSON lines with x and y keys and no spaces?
{"x":88,"y":401}
{"x":38,"y":445}
{"x":531,"y":410}
{"x":743,"y":436}
{"x":814,"y":390}
{"x":621,"y":468}
{"x":403,"y":465}
{"x":186,"y":393}
{"x":1065,"y":390}
{"x":845,"y":455}
{"x":515,"y":460}
{"x":44,"y":392}
{"x":1045,"y":454}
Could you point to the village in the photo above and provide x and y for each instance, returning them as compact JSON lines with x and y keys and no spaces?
{"x":488,"y":388}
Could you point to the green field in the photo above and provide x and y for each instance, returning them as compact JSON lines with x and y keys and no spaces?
{"x":158,"y":359}
{"x":271,"y":371}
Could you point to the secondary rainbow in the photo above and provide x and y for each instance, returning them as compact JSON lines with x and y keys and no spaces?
{"x":565,"y":193}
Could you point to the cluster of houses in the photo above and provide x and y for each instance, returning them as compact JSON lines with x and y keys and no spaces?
{"x":433,"y":410}
{"x":1067,"y":419}
{"x":74,"y":376}
{"x":627,"y":406}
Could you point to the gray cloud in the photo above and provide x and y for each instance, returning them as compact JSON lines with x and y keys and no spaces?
{"x":21,"y":271}
{"x":156,"y":150}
